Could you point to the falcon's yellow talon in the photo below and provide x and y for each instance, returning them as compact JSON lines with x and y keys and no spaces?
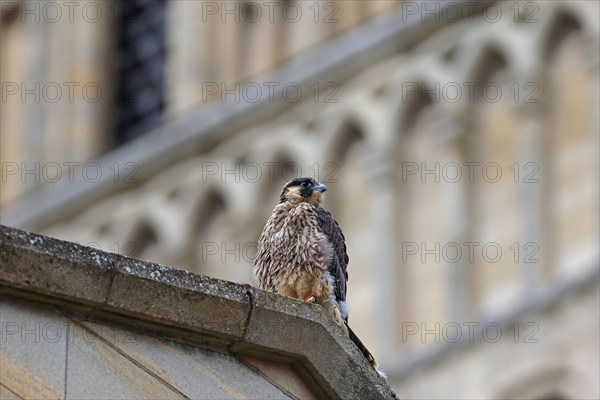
{"x":311,"y":298}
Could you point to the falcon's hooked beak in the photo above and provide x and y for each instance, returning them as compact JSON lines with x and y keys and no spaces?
{"x":320,"y":188}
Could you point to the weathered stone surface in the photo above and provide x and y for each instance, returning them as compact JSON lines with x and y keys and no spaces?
{"x":6,"y":394}
{"x":33,"y":343}
{"x":179,"y":298}
{"x":50,"y":266}
{"x":194,"y":371}
{"x":282,"y":325}
{"x":283,"y":375}
{"x":96,"y":370}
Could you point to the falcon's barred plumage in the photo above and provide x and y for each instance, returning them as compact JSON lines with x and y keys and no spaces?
{"x":302,"y":253}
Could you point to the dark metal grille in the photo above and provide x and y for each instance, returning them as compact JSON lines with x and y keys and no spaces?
{"x":140,"y":95}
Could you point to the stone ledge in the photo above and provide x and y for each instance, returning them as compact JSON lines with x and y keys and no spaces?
{"x":232,"y":317}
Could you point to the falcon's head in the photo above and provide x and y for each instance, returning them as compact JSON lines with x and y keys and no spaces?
{"x":300,"y":190}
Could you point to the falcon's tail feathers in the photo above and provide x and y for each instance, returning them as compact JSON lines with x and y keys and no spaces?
{"x":365,"y":351}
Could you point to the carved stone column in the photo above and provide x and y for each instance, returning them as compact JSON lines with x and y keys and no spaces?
{"x":534,"y":175}
{"x":190,"y":26}
{"x":384,"y":206}
{"x":452,"y":128}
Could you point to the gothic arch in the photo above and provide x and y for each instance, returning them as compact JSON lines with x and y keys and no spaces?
{"x":413,"y":105}
{"x":279,"y":164}
{"x":343,"y":167}
{"x":489,"y":60}
{"x":206,"y":209}
{"x":143,"y":237}
{"x":561,"y":23}
{"x":349,"y":132}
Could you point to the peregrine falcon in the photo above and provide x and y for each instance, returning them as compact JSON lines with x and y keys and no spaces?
{"x":302,"y":253}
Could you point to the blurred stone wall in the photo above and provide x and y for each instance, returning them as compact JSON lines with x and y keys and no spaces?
{"x":58,"y":66}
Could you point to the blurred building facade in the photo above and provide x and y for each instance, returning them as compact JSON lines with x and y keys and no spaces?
{"x":459,"y":142}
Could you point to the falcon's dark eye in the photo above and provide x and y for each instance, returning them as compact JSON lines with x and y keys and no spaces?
{"x":305,"y":184}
